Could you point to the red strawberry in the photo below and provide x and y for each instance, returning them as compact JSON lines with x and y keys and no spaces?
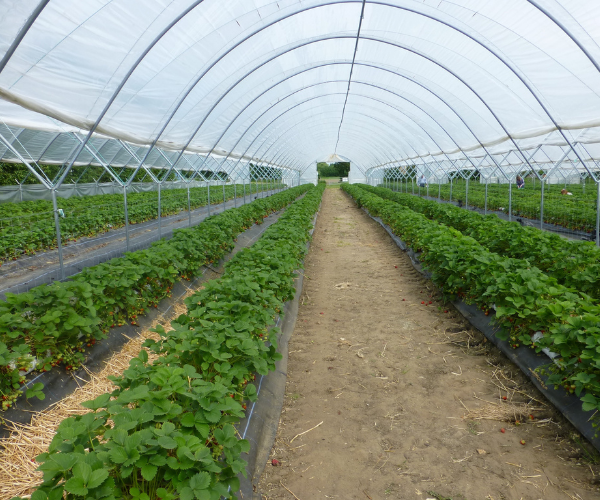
{"x":504,"y":397}
{"x":503,"y":430}
{"x":422,"y":302}
{"x":522,"y":442}
{"x":275,"y":462}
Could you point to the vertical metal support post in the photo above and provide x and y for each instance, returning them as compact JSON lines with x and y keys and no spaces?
{"x":208,"y":195}
{"x":542,"y":205}
{"x":439,"y":190}
{"x":159,"y":214}
{"x":598,"y":215}
{"x":467,"y":195}
{"x":244,"y":181}
{"x":189,"y":207}
{"x":126,"y":217}
{"x":224,"y":200}
{"x":451,"y":189}
{"x":510,"y":201}
{"x":412,"y":183}
{"x":58,"y":238}
{"x":235,"y":194}
{"x":486,"y":197}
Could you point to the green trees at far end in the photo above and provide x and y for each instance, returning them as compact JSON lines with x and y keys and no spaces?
{"x":340,"y":169}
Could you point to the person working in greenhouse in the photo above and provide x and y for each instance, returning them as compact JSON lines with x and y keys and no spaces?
{"x":422,"y":181}
{"x":520,"y":182}
{"x":564,"y":191}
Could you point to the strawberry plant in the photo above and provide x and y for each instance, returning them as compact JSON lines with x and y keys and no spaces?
{"x":531,"y":307}
{"x":57,"y":322}
{"x":28,"y":227}
{"x":166,"y":431}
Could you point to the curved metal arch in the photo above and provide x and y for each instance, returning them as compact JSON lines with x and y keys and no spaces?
{"x":393,"y":107}
{"x":22,"y":32}
{"x":186,"y":94}
{"x":296,"y":124}
{"x":433,"y":18}
{"x":191,"y":7}
{"x":124,"y":81}
{"x":368,"y":151}
{"x":393,"y":44}
{"x":316,"y":67}
{"x":382,"y":145}
{"x":567,"y":32}
{"x":424,"y":87}
{"x":361,"y":83}
{"x":289,"y":129}
{"x":284,"y":136}
{"x":259,"y":117}
{"x":281,"y":135}
{"x":342,"y":81}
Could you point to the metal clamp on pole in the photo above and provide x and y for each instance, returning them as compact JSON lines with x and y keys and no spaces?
{"x":58,"y":237}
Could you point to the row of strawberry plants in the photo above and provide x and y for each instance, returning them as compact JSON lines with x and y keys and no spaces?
{"x":167,"y":431}
{"x":574,"y":264}
{"x":91,"y":215}
{"x":52,"y":324}
{"x":526,"y":300}
{"x":577,"y":212}
{"x":15,"y":209}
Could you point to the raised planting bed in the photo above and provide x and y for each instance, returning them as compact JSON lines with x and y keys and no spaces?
{"x":52,"y":325}
{"x":575,"y":264}
{"x":529,"y":307}
{"x":28,"y":227}
{"x":167,"y":431}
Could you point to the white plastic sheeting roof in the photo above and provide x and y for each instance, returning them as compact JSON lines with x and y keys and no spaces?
{"x":291,"y":81}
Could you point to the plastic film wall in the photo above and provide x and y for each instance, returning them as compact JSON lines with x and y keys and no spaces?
{"x":445,"y":84}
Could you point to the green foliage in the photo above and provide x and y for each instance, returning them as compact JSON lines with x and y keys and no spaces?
{"x":577,"y":212}
{"x":55,"y":323}
{"x":28,"y":227}
{"x":574,"y":264}
{"x":340,"y":169}
{"x":526,"y":300}
{"x":166,"y":431}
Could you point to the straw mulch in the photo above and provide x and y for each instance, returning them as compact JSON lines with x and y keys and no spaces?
{"x":18,"y":474}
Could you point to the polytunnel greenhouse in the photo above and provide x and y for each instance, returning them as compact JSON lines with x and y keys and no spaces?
{"x":299,"y":249}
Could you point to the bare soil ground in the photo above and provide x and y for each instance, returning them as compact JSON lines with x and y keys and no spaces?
{"x":390,"y":396}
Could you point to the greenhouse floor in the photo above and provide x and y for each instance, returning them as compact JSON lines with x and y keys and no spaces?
{"x":391,"y":394}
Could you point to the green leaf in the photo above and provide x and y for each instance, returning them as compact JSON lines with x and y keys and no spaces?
{"x":63,"y":461}
{"x":97,"y":478}
{"x":167,"y":442}
{"x":118,"y":455}
{"x":186,"y":493}
{"x":39,"y":495}
{"x":149,"y":471}
{"x":76,"y":486}
{"x":188,"y":420}
{"x":96,"y":404}
{"x":83,"y":471}
{"x":200,"y":481}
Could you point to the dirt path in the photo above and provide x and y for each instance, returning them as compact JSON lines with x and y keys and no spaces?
{"x":389,"y":381}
